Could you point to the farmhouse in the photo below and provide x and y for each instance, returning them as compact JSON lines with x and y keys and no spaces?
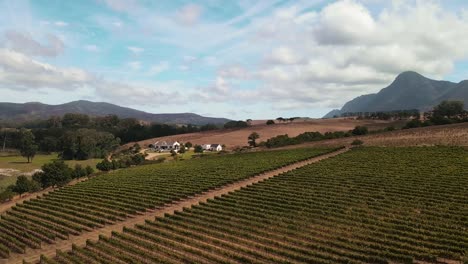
{"x":166,"y":146}
{"x":216,"y":147}
{"x":206,"y":146}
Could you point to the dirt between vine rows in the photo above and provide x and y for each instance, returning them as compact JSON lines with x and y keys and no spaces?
{"x":49,"y":250}
{"x":19,"y":199}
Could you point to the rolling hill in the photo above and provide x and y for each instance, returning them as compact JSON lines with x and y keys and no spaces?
{"x":410,"y":90}
{"x":31,"y":111}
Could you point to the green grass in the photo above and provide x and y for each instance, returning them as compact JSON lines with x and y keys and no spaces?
{"x":20,"y":163}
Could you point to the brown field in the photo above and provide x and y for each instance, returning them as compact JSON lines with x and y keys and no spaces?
{"x":238,"y":137}
{"x":447,"y":135}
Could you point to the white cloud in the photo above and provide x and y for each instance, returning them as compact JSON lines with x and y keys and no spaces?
{"x":344,"y":22}
{"x":91,"y":48}
{"x":60,"y":23}
{"x":21,"y":72}
{"x":158,"y":68}
{"x":121,"y":5}
{"x":135,"y":50}
{"x":323,"y":59}
{"x":189,"y":14}
{"x":25,"y":43}
{"x":134,"y":65}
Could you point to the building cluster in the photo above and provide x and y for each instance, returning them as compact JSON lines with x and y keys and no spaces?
{"x":163,"y":146}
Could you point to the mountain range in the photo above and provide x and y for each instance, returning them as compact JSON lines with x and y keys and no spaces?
{"x":33,"y":110}
{"x":410,"y":90}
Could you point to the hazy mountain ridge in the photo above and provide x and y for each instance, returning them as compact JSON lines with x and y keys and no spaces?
{"x":34,"y":110}
{"x":409,"y":90}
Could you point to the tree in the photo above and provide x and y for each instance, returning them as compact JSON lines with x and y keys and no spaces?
{"x":252,"y":139}
{"x":449,"y":109}
{"x":22,"y":185}
{"x":236,"y":124}
{"x":198,"y":149}
{"x":78,"y":172}
{"x":182,"y":149}
{"x":188,"y":145}
{"x":27,"y":146}
{"x":89,"y":170}
{"x":270,"y":122}
{"x":56,"y":173}
{"x":7,"y":194}
{"x":104,"y":165}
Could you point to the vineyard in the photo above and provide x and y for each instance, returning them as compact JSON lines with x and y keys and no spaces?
{"x":113,"y":197}
{"x":369,"y":205}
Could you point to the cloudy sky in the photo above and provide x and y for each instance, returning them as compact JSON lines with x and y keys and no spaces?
{"x":236,"y":59}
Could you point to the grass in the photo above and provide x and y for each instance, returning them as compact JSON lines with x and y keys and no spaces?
{"x":20,"y":163}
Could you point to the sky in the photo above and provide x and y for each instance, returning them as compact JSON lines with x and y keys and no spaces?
{"x":235,"y":59}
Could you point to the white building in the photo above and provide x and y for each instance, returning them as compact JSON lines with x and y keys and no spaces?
{"x":166,"y":146}
{"x":216,"y":147}
{"x":206,"y":146}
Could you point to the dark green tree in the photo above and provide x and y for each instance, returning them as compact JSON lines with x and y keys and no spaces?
{"x":449,"y":109}
{"x":252,"y":139}
{"x":56,"y":173}
{"x":198,"y":149}
{"x":22,"y":185}
{"x":360,"y":130}
{"x":270,"y":122}
{"x":104,"y":165}
{"x":27,"y":146}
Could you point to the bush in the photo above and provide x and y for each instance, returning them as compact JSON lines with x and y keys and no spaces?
{"x":78,"y":172}
{"x":357,"y":142}
{"x":7,"y":195}
{"x":89,"y":170}
{"x":56,"y":173}
{"x":236,"y":124}
{"x":270,"y":122}
{"x":360,"y":130}
{"x":198,"y":149}
{"x":104,"y":165}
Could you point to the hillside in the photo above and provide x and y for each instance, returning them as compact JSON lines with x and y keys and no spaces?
{"x":31,"y":111}
{"x":409,"y":90}
{"x":238,"y":137}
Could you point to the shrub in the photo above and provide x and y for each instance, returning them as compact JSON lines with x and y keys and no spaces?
{"x":104,"y":165}
{"x":357,"y":142}
{"x":198,"y":149}
{"x":270,"y":122}
{"x":360,"y":130}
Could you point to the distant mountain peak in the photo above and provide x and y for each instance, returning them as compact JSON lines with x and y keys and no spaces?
{"x":409,"y":90}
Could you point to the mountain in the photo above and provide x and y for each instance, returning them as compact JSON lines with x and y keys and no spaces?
{"x":34,"y":110}
{"x":410,"y":90}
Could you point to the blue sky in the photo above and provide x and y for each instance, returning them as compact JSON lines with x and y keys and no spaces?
{"x":236,"y":59}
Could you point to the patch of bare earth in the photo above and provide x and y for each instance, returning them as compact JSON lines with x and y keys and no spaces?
{"x":238,"y":137}
{"x":446,"y":135}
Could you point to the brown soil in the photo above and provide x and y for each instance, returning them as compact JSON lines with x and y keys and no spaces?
{"x":446,"y":135}
{"x":19,"y":199}
{"x":238,"y":137}
{"x":49,"y":250}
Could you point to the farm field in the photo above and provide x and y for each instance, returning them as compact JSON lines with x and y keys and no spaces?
{"x":238,"y":137}
{"x":444,"y":135}
{"x":369,"y":205}
{"x":110,"y":198}
{"x":19,"y":164}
